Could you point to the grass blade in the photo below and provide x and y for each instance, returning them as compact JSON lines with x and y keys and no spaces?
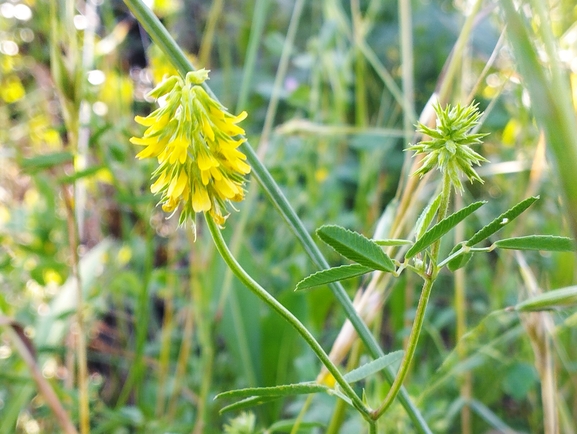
{"x":373,"y":367}
{"x":563,"y":297}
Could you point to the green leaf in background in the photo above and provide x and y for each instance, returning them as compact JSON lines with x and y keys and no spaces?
{"x":459,"y":261}
{"x":501,"y":221}
{"x":557,"y":298}
{"x":46,"y":161}
{"x":427,"y":217}
{"x":520,"y":379}
{"x":288,"y":424}
{"x":356,"y":247}
{"x":537,"y":242}
{"x":373,"y":367}
{"x":392,"y":242}
{"x":442,"y":228}
{"x":80,"y":174}
{"x":335,"y":274}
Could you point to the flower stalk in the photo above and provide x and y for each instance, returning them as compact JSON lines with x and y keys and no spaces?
{"x":449,"y":151}
{"x":261,"y":293}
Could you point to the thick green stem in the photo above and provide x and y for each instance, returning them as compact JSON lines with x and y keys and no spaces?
{"x":261,"y":293}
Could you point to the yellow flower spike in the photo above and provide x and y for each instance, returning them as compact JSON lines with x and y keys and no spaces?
{"x":193,"y":138}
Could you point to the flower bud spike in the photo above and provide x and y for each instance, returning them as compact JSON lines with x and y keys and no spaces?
{"x":449,"y":148}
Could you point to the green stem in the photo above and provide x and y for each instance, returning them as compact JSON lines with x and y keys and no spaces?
{"x":162,"y":38}
{"x":261,"y":293}
{"x":430,"y":279}
{"x":410,"y":351}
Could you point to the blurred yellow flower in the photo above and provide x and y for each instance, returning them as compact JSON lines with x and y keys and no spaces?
{"x":192,"y":137}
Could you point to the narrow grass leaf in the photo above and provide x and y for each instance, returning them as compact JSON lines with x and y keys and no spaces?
{"x":563,"y":297}
{"x":491,"y":418}
{"x":393,"y":242}
{"x":80,"y":174}
{"x":501,"y":221}
{"x":248,"y":402}
{"x":427,"y":217}
{"x":373,"y":367}
{"x":331,"y":275}
{"x":356,"y":247}
{"x":46,"y":161}
{"x":550,"y":243}
{"x":441,"y":228}
{"x":284,"y":390}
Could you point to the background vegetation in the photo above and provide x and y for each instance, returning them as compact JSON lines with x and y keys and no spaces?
{"x":333,"y":90}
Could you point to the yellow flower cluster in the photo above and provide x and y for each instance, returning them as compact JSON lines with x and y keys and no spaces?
{"x":192,"y":137}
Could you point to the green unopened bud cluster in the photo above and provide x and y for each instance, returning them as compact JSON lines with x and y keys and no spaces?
{"x":449,"y":148}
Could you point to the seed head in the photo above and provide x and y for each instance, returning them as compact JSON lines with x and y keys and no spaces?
{"x":449,"y":148}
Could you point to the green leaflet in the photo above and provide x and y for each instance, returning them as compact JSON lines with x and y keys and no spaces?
{"x":392,"y":242}
{"x":537,"y":242}
{"x":373,"y":367}
{"x":459,"y":261}
{"x":335,"y":274}
{"x":284,"y":390}
{"x":427,"y":217}
{"x":441,"y":228}
{"x":248,"y":402}
{"x":260,"y":395}
{"x":356,"y":247}
{"x":563,"y":297}
{"x":501,"y":221}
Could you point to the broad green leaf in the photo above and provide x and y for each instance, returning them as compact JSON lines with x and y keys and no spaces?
{"x":563,"y":297}
{"x":427,"y":217}
{"x":46,"y":161}
{"x":248,"y":402}
{"x":356,"y":247}
{"x":501,"y":221}
{"x":459,"y":261}
{"x":537,"y":242}
{"x":393,"y":242}
{"x":442,"y":228}
{"x":335,"y":274}
{"x":284,"y":390}
{"x":373,"y":367}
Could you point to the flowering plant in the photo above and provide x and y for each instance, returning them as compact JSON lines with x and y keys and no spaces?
{"x":193,"y":137}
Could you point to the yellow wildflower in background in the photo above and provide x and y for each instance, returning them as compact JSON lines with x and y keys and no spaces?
{"x":192,"y":137}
